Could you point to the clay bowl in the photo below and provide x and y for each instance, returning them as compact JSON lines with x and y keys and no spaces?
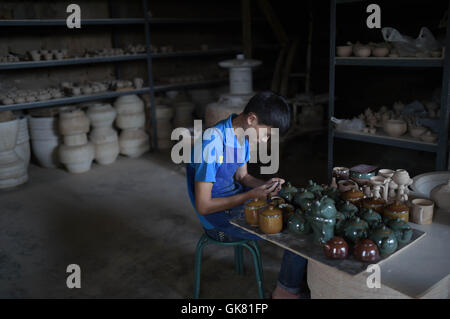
{"x":362,"y":51}
{"x":417,"y":131}
{"x":395,"y":128}
{"x":380,"y":52}
{"x":344,"y":50}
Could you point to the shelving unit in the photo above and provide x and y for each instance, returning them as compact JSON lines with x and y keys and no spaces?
{"x":440,"y":148}
{"x":145,"y":22}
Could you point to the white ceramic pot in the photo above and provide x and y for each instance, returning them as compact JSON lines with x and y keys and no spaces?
{"x":8,"y":135}
{"x":46,"y":151}
{"x":12,"y":182}
{"x":129,"y":104}
{"x":133,"y":142}
{"x":362,"y":51}
{"x":75,"y":140}
{"x":395,"y":128}
{"x":417,"y":131}
{"x":164,"y":112}
{"x":106,"y":153}
{"x":77,"y":159}
{"x":23,"y":135}
{"x":441,"y":195}
{"x":73,"y":122}
{"x":43,"y":124}
{"x":101,"y":115}
{"x":103,"y":135}
{"x":23,"y":151}
{"x":130,"y":120}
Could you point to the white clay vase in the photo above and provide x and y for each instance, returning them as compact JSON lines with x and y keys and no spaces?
{"x":107,"y":153}
{"x":101,"y":115}
{"x":73,"y":122}
{"x":130,"y":120}
{"x":134,"y":142}
{"x":77,"y":159}
{"x":75,"y":140}
{"x":129,"y":104}
{"x":103,"y":135}
{"x":441,"y":196}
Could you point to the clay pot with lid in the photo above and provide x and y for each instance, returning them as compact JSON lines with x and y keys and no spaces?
{"x":348,"y":209}
{"x":366,"y":251}
{"x":385,"y":240}
{"x":336,"y":248}
{"x":376,"y":204}
{"x":271,"y":220}
{"x":396,"y":210}
{"x":287,"y":210}
{"x":356,"y":228}
{"x":401,"y":230}
{"x":252,"y":210}
{"x":288,"y":191}
{"x":73,"y":122}
{"x":298,"y":224}
{"x":371,"y":217}
{"x":354,"y":196}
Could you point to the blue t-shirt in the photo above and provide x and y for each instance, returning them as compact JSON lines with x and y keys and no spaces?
{"x":216,"y":162}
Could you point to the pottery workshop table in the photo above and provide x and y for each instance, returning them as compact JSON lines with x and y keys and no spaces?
{"x":419,"y":270}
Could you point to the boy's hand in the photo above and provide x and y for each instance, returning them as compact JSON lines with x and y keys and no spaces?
{"x":263,"y":190}
{"x":277,"y":181}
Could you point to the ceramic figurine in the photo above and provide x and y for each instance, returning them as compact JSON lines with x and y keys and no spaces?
{"x":387,"y":174}
{"x":288,"y":191}
{"x":304,"y":199}
{"x":322,"y":218}
{"x":356,"y":228}
{"x":401,"y":230}
{"x":366,"y":251}
{"x":348,"y":209}
{"x":336,"y":248}
{"x":298,"y":224}
{"x":385,"y":240}
{"x":371,"y":217}
{"x":402,"y":179}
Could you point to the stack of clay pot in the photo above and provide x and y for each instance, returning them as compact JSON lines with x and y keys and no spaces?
{"x":103,"y":135}
{"x":45,"y":140}
{"x":76,"y":153}
{"x":133,"y":140}
{"x":13,"y":170}
{"x":164,"y":127}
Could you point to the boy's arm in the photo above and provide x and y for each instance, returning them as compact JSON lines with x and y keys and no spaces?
{"x":205,"y":204}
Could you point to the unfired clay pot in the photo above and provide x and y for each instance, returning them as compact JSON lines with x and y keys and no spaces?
{"x":73,"y":122}
{"x":395,"y":128}
{"x":77,"y":159}
{"x":133,"y":142}
{"x":344,"y":50}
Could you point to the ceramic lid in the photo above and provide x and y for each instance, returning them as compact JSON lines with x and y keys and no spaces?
{"x":256,"y":202}
{"x":271,"y":211}
{"x":352,"y":194}
{"x":374,"y":201}
{"x":358,"y":223}
{"x":398,"y":223}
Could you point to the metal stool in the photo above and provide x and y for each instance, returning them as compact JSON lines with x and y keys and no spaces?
{"x":251,"y":245}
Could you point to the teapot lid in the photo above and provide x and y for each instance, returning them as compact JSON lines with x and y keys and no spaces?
{"x":353,"y":193}
{"x":271,"y":211}
{"x":397,"y":206}
{"x":256,"y":202}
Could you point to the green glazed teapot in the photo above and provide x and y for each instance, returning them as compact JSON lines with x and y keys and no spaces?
{"x":314,"y":188}
{"x":288,"y":191}
{"x":332,"y":193}
{"x":298,"y":224}
{"x":371,"y":217}
{"x":402,"y":230}
{"x":356,"y":228}
{"x":385,"y":239}
{"x":304,"y":199}
{"x":340,"y":224}
{"x":322,"y":218}
{"x":348,"y":209}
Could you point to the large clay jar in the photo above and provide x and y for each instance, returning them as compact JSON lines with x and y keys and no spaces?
{"x":355,"y":229}
{"x":366,"y":251}
{"x":130,"y":120}
{"x":133,"y":142}
{"x":101,"y":115}
{"x":322,"y":218}
{"x":271,"y":220}
{"x":402,"y":231}
{"x":441,"y":196}
{"x":336,"y":248}
{"x":77,"y":159}
{"x":45,"y":140}
{"x":385,"y":240}
{"x":129,"y":104}
{"x":252,"y":210}
{"x":396,"y":210}
{"x":73,"y":122}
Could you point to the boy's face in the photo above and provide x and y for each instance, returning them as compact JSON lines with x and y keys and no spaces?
{"x":262,"y":131}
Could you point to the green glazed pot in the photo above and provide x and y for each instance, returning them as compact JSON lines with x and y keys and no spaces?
{"x":385,"y":239}
{"x":356,"y":228}
{"x":304,"y":199}
{"x":322,"y":218}
{"x":332,"y":193}
{"x":348,"y":209}
{"x":298,"y":224}
{"x":340,"y":224}
{"x":402,"y":231}
{"x":371,"y":217}
{"x":314,"y":188}
{"x":288,"y":191}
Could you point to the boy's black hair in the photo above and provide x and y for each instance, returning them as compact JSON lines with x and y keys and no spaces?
{"x":271,"y":109}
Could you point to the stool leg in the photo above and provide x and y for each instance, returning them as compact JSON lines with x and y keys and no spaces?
{"x":198,"y":264}
{"x":239,"y":260}
{"x":256,"y":262}
{"x":255,"y":243}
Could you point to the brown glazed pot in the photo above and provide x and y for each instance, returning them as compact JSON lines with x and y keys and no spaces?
{"x":376,"y":204}
{"x":366,"y":250}
{"x":353,"y":196}
{"x":271,"y":220}
{"x":336,"y":248}
{"x":396,"y":210}
{"x":252,"y":210}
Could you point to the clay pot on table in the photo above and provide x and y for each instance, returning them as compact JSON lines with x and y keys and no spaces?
{"x":376,"y":204}
{"x":353,"y":196}
{"x":288,"y":191}
{"x":270,"y":220}
{"x":395,"y":128}
{"x":366,"y":251}
{"x":298,"y":224}
{"x":252,"y":210}
{"x":416,"y":132}
{"x":372,"y":218}
{"x":336,"y":248}
{"x":422,"y":211}
{"x":396,"y":210}
{"x":356,"y":228}
{"x":402,"y":231}
{"x":429,"y":137}
{"x":385,"y":240}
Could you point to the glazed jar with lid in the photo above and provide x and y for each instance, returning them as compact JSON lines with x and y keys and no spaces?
{"x":348,"y":209}
{"x":396,"y":210}
{"x":298,"y":224}
{"x":288,"y":191}
{"x":371,"y":217}
{"x":377,"y":204}
{"x":271,"y":220}
{"x":365,"y":250}
{"x":385,"y":239}
{"x":356,"y":228}
{"x":336,"y":248}
{"x":354,"y":196}
{"x":252,"y":210}
{"x":287,"y":210}
{"x":401,"y":230}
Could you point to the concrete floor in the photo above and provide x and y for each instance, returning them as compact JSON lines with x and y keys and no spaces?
{"x":129,"y":226}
